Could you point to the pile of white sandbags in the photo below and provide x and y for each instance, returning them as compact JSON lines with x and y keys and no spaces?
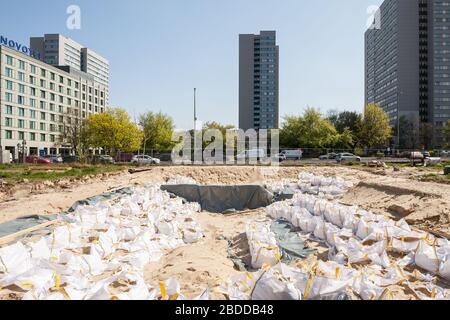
{"x":102,"y":245}
{"x":364,"y":259}
{"x":262,"y":244}
{"x":181,"y":180}
{"x":323,"y":187}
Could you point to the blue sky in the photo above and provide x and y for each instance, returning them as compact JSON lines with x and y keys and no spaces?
{"x":159,"y":50}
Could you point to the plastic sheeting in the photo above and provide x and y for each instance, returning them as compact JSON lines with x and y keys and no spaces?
{"x":220,"y":199}
{"x":101,"y":244}
{"x":23,"y":223}
{"x":291,"y":244}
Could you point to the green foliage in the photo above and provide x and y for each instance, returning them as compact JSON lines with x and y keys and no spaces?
{"x":216,"y":125}
{"x":158,"y":129}
{"x":374,"y":129}
{"x":313,"y":131}
{"x":112,"y":130}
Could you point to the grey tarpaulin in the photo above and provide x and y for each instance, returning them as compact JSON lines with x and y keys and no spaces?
{"x":102,"y":197}
{"x":23,"y":223}
{"x":289,"y":241}
{"x":26,"y":222}
{"x":220,"y":199}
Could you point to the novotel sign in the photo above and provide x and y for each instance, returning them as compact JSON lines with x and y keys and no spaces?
{"x":19,"y":47}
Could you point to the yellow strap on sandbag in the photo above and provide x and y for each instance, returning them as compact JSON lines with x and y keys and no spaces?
{"x":435,"y":253}
{"x":249,"y":276}
{"x":57,"y":281}
{"x":162,"y":288}
{"x":308,"y":286}
{"x":114,"y":298}
{"x":174,"y":296}
{"x":245,"y":285}
{"x":434,"y":293}
{"x":64,"y":293}
{"x":338,"y":272}
{"x":27,"y":284}
{"x":387,"y":238}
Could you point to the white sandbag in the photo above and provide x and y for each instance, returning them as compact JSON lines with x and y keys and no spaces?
{"x":14,"y":259}
{"x":40,"y":249}
{"x":426,"y":257}
{"x":269,"y":287}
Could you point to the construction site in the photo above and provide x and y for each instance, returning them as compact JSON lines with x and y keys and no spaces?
{"x":228,"y":233}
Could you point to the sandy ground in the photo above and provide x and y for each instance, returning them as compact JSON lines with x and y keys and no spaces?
{"x":207,"y":263}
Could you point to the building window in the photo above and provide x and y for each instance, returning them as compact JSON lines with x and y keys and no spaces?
{"x":21,"y":76}
{"x":43,"y":73}
{"x":21,"y":88}
{"x":32,"y":125}
{"x":8,"y":122}
{"x":42,"y":115}
{"x":52,"y":138}
{"x":42,"y":126}
{"x":42,"y":137}
{"x":21,"y":135}
{"x":8,"y":97}
{"x":32,"y":69}
{"x":9,"y":72}
{"x":32,"y":136}
{"x":9,"y":85}
{"x":21,"y":123}
{"x":9,"y":60}
{"x":9,"y":110}
{"x":21,"y":112}
{"x":32,"y":114}
{"x":21,"y":100}
{"x":32,"y":103}
{"x":21,"y":65}
{"x":8,"y":134}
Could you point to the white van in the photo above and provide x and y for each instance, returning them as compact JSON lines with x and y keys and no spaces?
{"x":295,"y":154}
{"x":254,"y":154}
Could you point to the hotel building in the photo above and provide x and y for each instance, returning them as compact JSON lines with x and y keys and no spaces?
{"x":39,"y":101}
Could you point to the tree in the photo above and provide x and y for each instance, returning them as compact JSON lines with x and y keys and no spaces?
{"x":216,"y":125}
{"x":446,"y":132}
{"x":158,"y":129}
{"x":374,"y":129}
{"x":113,"y":131}
{"x":345,"y":119}
{"x":73,"y":134}
{"x":350,"y":120}
{"x":312,"y":131}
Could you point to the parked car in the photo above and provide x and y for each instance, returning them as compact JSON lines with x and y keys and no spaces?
{"x":54,"y":158}
{"x":328,"y":156}
{"x":37,"y":159}
{"x":143,"y":159}
{"x":341,"y":157}
{"x":426,"y":154}
{"x":279,"y":157}
{"x":254,"y":154}
{"x":295,"y":154}
{"x":103,"y":159}
{"x":445,"y":154}
{"x":167,"y":157}
{"x":71,"y":159}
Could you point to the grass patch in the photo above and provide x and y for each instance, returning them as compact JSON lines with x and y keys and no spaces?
{"x":434,"y":177}
{"x":17,"y":172}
